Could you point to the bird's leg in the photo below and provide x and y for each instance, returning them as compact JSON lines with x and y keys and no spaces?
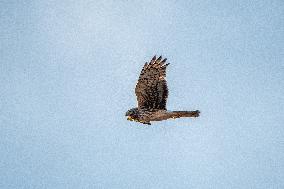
{"x":147,"y":123}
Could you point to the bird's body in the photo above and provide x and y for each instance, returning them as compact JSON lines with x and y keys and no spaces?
{"x":152,"y":93}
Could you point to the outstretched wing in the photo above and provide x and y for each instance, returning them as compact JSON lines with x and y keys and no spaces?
{"x":151,"y":89}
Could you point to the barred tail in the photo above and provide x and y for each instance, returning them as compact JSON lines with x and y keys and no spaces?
{"x":178,"y":114}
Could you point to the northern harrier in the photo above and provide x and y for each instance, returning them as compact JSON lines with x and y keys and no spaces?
{"x":152,"y":93}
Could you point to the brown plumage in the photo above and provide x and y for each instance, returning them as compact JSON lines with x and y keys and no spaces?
{"x":152,"y":93}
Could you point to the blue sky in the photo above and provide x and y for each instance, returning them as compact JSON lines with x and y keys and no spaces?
{"x":67,"y":77}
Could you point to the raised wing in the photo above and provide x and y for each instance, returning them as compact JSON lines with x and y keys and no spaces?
{"x":151,"y":89}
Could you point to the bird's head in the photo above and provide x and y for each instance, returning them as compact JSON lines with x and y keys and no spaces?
{"x":132,"y":114}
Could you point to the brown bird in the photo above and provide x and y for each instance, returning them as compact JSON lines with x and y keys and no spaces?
{"x":152,"y":93}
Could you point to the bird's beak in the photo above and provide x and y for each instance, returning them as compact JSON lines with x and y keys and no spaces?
{"x":129,"y":118}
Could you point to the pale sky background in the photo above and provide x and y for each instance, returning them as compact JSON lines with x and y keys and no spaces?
{"x":67,"y":75}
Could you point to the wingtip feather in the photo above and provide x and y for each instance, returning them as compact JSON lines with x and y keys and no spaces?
{"x":159,"y":59}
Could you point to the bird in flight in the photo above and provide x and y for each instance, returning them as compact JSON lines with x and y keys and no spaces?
{"x":152,"y":93}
